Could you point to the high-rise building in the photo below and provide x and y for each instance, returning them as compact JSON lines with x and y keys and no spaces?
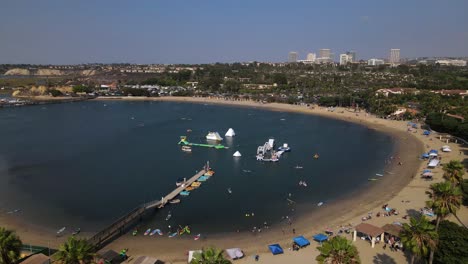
{"x":311,"y":57}
{"x":292,"y":57}
{"x":325,"y":53}
{"x":345,"y":59}
{"x":352,"y":54}
{"x":394,"y":56}
{"x":375,"y":62}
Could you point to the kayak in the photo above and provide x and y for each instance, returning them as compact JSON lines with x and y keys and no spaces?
{"x":158,"y":231}
{"x":153,"y":232}
{"x":173,"y":234}
{"x":197,"y":237}
{"x":147,"y":231}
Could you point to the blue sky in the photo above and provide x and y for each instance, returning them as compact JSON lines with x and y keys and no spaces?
{"x":204,"y":31}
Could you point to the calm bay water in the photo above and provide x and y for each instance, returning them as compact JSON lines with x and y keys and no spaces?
{"x":85,"y":164}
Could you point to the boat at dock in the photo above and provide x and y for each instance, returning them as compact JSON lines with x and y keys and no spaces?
{"x":298,"y":167}
{"x":214,"y":136}
{"x":229,"y":190}
{"x":180,"y":181}
{"x":174,"y":201}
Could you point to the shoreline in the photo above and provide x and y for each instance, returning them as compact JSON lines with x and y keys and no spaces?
{"x":339,"y":212}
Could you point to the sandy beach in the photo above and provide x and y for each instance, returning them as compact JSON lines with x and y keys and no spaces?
{"x":400,"y":183}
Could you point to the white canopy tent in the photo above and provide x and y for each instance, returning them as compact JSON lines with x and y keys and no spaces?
{"x":235,"y":253}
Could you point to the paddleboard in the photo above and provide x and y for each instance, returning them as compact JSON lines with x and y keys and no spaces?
{"x":147,"y":231}
{"x":197,"y":237}
{"x":173,"y":234}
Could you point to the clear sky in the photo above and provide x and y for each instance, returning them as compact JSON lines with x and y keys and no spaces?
{"x":204,"y":31}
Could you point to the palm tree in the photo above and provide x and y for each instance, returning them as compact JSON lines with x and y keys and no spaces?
{"x":10,"y":246}
{"x":75,"y":251}
{"x":453,"y":172}
{"x":209,"y":255}
{"x":445,"y":200}
{"x":338,"y":250}
{"x":419,"y":237}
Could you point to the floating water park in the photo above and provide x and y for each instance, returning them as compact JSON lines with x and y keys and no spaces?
{"x":184,"y":142}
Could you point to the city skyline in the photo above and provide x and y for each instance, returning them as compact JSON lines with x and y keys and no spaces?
{"x":53,"y":32}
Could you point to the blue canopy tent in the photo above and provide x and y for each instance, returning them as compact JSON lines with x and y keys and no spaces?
{"x":433,"y":151}
{"x":426,"y":170}
{"x":425,"y":155}
{"x":301,"y":241}
{"x":426,"y":132}
{"x":275,"y":249}
{"x":320,"y":237}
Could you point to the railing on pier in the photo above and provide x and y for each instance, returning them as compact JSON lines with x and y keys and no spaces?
{"x":121,"y":225}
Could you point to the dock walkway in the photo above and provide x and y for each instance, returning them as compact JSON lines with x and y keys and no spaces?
{"x":123,"y":223}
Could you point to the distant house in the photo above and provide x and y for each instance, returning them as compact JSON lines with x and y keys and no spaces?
{"x":387,"y":91}
{"x":461,"y":93}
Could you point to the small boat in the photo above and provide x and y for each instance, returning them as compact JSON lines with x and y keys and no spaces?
{"x":195,"y":184}
{"x":189,"y":130}
{"x":237,"y":154}
{"x":320,"y":204}
{"x":284,"y":148}
{"x":300,"y":183}
{"x":304,"y":184}
{"x":298,"y":167}
{"x":372,"y":179}
{"x":229,"y":190}
{"x":180,"y":181}
{"x":197,"y":237}
{"x":185,"y":193}
{"x":169,"y":215}
{"x":153,"y":232}
{"x":159,"y":232}
{"x":76,"y":232}
{"x":316,"y":156}
{"x":247,"y":171}
{"x":186,"y":149}
{"x":147,"y":231}
{"x":14,"y":211}
{"x":380,"y":175}
{"x":173,"y":234}
{"x":214,"y":136}
{"x":174,"y":201}
{"x":60,"y":231}
{"x":189,"y":188}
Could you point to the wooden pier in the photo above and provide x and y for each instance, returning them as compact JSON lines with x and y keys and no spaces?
{"x":121,"y":225}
